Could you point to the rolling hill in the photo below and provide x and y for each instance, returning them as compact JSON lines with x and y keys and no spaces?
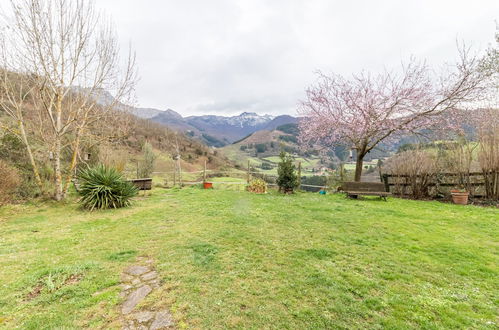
{"x":262,"y":148}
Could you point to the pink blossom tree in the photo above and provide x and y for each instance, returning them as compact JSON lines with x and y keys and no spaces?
{"x":367,"y":109}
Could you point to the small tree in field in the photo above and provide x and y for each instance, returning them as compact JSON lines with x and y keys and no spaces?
{"x":147,"y":166}
{"x":367,"y":109}
{"x":287,"y":180}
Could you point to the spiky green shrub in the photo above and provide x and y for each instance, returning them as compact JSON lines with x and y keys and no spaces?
{"x":104,"y":187}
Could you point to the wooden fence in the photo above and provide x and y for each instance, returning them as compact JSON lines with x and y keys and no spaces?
{"x":441,"y":183}
{"x":179,"y":177}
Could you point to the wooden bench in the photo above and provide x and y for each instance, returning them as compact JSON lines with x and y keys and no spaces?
{"x":354,"y":189}
{"x":142,"y":184}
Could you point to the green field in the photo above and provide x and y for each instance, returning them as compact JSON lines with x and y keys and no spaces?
{"x":351,"y":165}
{"x":232,"y":259}
{"x":242,"y":158}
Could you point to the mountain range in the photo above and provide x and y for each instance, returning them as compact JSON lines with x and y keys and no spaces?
{"x":213,"y":130}
{"x":216,"y":131}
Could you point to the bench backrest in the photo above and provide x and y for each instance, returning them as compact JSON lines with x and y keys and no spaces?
{"x":364,"y":186}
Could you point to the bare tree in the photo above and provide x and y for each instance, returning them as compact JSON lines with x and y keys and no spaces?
{"x":74,"y":54}
{"x":15,"y":91}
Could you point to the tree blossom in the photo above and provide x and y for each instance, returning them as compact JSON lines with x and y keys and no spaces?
{"x":367,"y":109}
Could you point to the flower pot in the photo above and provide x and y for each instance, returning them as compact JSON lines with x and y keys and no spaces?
{"x":460,"y":197}
{"x":208,"y":185}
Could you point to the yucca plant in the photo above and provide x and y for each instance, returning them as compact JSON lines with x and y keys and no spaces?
{"x":103,"y":187}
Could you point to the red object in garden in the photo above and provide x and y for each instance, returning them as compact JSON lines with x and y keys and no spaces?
{"x":460,"y":197}
{"x":208,"y":185}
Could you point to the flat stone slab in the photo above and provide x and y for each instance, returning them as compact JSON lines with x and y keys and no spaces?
{"x":137,"y":282}
{"x":136,"y":270}
{"x":134,"y":298}
{"x":163,"y":320}
{"x":126,"y":278}
{"x":149,"y":276}
{"x":143,"y":317}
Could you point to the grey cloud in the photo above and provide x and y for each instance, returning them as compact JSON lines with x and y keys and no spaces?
{"x":227,"y":56}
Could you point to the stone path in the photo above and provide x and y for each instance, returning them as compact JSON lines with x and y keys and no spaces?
{"x":137,"y":282}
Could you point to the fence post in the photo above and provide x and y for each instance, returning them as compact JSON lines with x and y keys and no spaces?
{"x":385,"y":181}
{"x":179,"y":172}
{"x":299,"y":175}
{"x":204,"y":172}
{"x":175,"y":174}
{"x":248,"y":176}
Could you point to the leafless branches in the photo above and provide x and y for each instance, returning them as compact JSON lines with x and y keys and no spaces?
{"x":72,"y":53}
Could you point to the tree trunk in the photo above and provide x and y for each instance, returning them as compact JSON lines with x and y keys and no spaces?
{"x":24,"y":137}
{"x":57,"y":169}
{"x":72,"y":166}
{"x":358,"y":166}
{"x":57,"y":152}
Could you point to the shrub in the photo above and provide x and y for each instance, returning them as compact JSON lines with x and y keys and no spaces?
{"x":257,"y":186}
{"x":104,"y":187}
{"x":488,"y":153}
{"x":147,"y":164}
{"x":287,"y":180}
{"x":415,"y":169}
{"x":9,"y":181}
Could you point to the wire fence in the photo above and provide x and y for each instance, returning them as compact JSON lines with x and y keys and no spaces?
{"x":219,"y":178}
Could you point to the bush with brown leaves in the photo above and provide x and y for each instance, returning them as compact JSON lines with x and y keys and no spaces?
{"x":9,"y":182}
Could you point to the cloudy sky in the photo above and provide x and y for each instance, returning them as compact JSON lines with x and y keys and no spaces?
{"x":229,"y":56}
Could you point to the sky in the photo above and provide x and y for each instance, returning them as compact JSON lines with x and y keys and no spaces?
{"x":228,"y":56}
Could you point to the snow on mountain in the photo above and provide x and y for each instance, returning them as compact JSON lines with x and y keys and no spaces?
{"x":245,"y":119}
{"x":249,"y":119}
{"x":211,"y":129}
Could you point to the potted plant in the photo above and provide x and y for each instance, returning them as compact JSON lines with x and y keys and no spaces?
{"x":460,"y":196}
{"x":207,"y":185}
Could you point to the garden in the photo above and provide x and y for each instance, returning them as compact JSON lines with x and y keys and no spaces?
{"x":235,"y":259}
{"x":121,"y":217}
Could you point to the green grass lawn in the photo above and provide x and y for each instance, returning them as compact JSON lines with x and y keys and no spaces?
{"x":231,"y":259}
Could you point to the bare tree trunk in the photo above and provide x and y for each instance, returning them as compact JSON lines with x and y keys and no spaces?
{"x":358,"y":166}
{"x":57,"y":151}
{"x":72,"y":166}
{"x":57,"y":169}
{"x":24,"y":137}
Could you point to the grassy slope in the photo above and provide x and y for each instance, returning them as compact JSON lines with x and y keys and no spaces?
{"x":242,"y":157}
{"x":234,"y":259}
